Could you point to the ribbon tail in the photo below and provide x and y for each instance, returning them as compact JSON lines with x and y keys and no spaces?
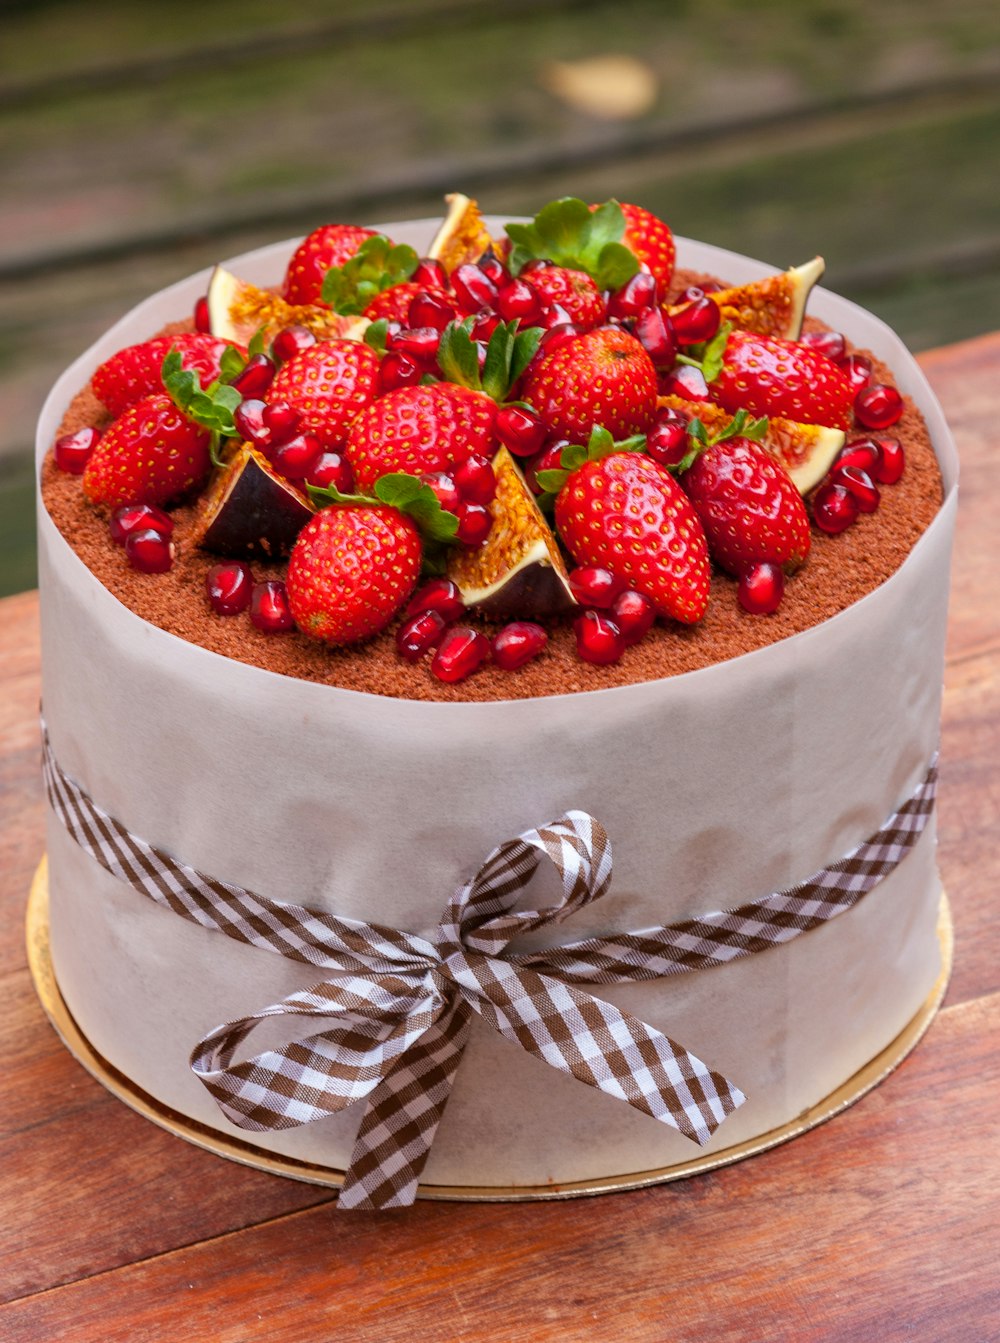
{"x":402,"y":1116}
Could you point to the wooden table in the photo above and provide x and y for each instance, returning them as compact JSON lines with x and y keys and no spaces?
{"x":882,"y":1225}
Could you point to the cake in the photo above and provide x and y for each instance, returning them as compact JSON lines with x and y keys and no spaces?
{"x":726,"y":760}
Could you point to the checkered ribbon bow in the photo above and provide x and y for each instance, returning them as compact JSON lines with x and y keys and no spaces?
{"x":397,"y":1008}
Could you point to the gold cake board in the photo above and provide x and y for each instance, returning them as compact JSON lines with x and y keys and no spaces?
{"x":235,"y":1149}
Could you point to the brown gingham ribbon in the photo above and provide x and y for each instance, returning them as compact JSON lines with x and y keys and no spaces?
{"x":398,"y":1008}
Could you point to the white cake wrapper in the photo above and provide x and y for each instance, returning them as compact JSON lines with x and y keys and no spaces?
{"x":716,"y":788}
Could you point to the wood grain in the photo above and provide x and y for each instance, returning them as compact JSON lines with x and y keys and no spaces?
{"x":881,"y":1225}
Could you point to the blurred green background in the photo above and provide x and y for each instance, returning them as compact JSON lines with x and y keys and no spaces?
{"x":139,"y":143}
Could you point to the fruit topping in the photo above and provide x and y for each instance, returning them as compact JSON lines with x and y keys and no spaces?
{"x":857,"y":369}
{"x":517,"y":644}
{"x":860,"y":484}
{"x":474,"y":524}
{"x":878,"y":406}
{"x":137,"y":371}
{"x":601,"y":377}
{"x":419,"y":633}
{"x":834,"y":508}
{"x":239,"y":310}
{"x":149,"y":551}
{"x":773,"y":306}
{"x":634,"y":614}
{"x":761,"y":588}
{"x":598,"y":638}
{"x":463,"y":237}
{"x":593,"y":586}
{"x":332,"y":468}
{"x":229,"y":587}
{"x":255,"y":377}
{"x":590,"y":238}
{"x":269,"y":608}
{"x":439,"y":594}
{"x":290,"y":341}
{"x":328,"y":384}
{"x":296,"y":458}
{"x":250,"y":510}
{"x":326,"y":247}
{"x":72,"y":451}
{"x":892,"y":461}
{"x":136,"y":518}
{"x":520,"y":430}
{"x":461,"y":651}
{"x":830,"y":343}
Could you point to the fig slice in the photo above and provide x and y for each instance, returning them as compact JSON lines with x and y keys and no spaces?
{"x":249,"y":511}
{"x":806,"y":451}
{"x":462,"y":237}
{"x":773,"y":306}
{"x":237,"y":310}
{"x":519,"y":571}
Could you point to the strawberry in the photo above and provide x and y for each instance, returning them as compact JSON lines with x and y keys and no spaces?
{"x":378,"y":265}
{"x":134,"y":372}
{"x":574,"y":290}
{"x":331,"y":245}
{"x":328,"y":384}
{"x":652,"y":242}
{"x":351,"y":570}
{"x":602,"y":377}
{"x":623,"y":512}
{"x":770,"y":376}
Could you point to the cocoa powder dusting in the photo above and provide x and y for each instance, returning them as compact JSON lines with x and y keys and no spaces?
{"x":840,"y":571}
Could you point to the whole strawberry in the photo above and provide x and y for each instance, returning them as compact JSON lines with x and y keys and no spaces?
{"x":769,"y":376}
{"x":350,"y":571}
{"x":135,"y":372}
{"x":331,"y":245}
{"x":602,"y":377}
{"x":329,"y":384}
{"x":652,"y":242}
{"x":152,"y":454}
{"x":573,"y":290}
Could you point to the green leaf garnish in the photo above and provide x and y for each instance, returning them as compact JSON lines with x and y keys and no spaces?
{"x":508,"y":354}
{"x":375,"y":335}
{"x":376,"y":265}
{"x":742,"y":425}
{"x":232,"y":364}
{"x":600,"y":444}
{"x":569,"y":233}
{"x":407,"y":493}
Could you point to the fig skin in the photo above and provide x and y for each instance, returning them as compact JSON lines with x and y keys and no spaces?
{"x":250,"y":512}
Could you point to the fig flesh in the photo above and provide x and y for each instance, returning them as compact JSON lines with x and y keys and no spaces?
{"x":773,"y":306}
{"x":237,"y":310}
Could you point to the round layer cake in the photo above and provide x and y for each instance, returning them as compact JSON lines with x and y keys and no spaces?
{"x":716,"y":786}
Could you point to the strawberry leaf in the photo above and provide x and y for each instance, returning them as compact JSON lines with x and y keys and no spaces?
{"x":569,"y":233}
{"x":324,"y":495}
{"x":212,"y":408}
{"x":526,"y":344}
{"x":231,"y":365}
{"x":552,"y":480}
{"x":258,"y":342}
{"x":376,"y":265}
{"x":375,"y":335}
{"x":412,"y":496}
{"x":457,"y":356}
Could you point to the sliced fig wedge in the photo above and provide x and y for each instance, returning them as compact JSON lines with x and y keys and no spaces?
{"x":462,"y":237}
{"x":773,"y":306}
{"x":237,"y":310}
{"x":249,"y":511}
{"x":520,"y":570}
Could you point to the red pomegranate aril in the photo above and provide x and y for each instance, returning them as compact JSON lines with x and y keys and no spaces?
{"x":229,"y":587}
{"x":149,"y":551}
{"x":431,"y":273}
{"x":667,"y":440}
{"x":685,"y":381}
{"x":535,"y":264}
{"x":461,"y":652}
{"x":860,"y":484}
{"x":438,"y":594}
{"x":556,"y":336}
{"x":517,"y":643}
{"x":553,"y":315}
{"x":473,"y":288}
{"x":289,"y":342}
{"x":892,"y":461}
{"x":474,"y":523}
{"x":332,"y":468}
{"x":444,"y":488}
{"x":698,"y":322}
{"x":830,"y":343}
{"x":696,"y":291}
{"x":248,"y":418}
{"x":521,"y":431}
{"x":834,"y":508}
{"x":634,"y":614}
{"x":517,"y":301}
{"x":131,"y":518}
{"x":431,"y":310}
{"x":256,"y":377}
{"x":864,"y":453}
{"x":493,"y":267}
{"x":282,"y":421}
{"x":634,"y":297}
{"x":202,"y":317}
{"x":419,"y":343}
{"x":398,"y":370}
{"x":418,"y":634}
{"x":761,"y":588}
{"x":269,"y":609}
{"x":485,"y":324}
{"x":297,"y":458}
{"x":655,"y":332}
{"x":598,"y":638}
{"x":475,"y":480}
{"x":72,"y":451}
{"x":878,"y":406}
{"x":858,"y":368}
{"x":593,"y":586}
{"x":549,"y":460}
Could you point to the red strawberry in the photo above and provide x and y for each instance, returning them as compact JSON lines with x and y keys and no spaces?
{"x":626,"y":513}
{"x":420,"y":429}
{"x":770,"y":376}
{"x":601,"y":377}
{"x":151,"y":454}
{"x":351,"y":570}
{"x":652,"y":242}
{"x":750,"y":509}
{"x":331,"y":245}
{"x":328,"y":384}
{"x":572,"y":289}
{"x":134,"y":372}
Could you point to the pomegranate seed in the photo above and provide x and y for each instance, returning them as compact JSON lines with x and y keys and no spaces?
{"x":554,"y":314}
{"x":398,"y":370}
{"x":593,"y":586}
{"x":72,"y":451}
{"x":445,"y":489}
{"x":535,"y":264}
{"x":290,"y":342}
{"x":202,"y":319}
{"x":256,"y":377}
{"x":474,"y":523}
{"x":439,"y":594}
{"x":229,"y":587}
{"x":891,"y":461}
{"x":634,"y":297}
{"x":864,"y":453}
{"x":149,"y":551}
{"x":298,"y":457}
{"x":517,"y":301}
{"x":485,"y":324}
{"x":249,"y":420}
{"x":475,"y":480}
{"x":517,"y":643}
{"x":860,"y":484}
{"x":521,"y":431}
{"x":834,"y":508}
{"x":696,"y":291}
{"x":634,"y":614}
{"x":493,"y":267}
{"x":282,"y":421}
{"x":431,"y":310}
{"x":598,"y":639}
{"x":761,"y":588}
{"x":419,"y":343}
{"x":655,"y":332}
{"x":697,"y":322}
{"x":549,"y":460}
{"x":139,"y":517}
{"x":473,"y":288}
{"x":269,"y":609}
{"x":430,"y":273}
{"x":858,"y":368}
{"x":667,"y":440}
{"x":878,"y":406}
{"x":687,"y":382}
{"x":556,"y":336}
{"x":332,"y":468}
{"x":830,"y":343}
{"x":421,"y":632}
{"x":459,"y":654}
